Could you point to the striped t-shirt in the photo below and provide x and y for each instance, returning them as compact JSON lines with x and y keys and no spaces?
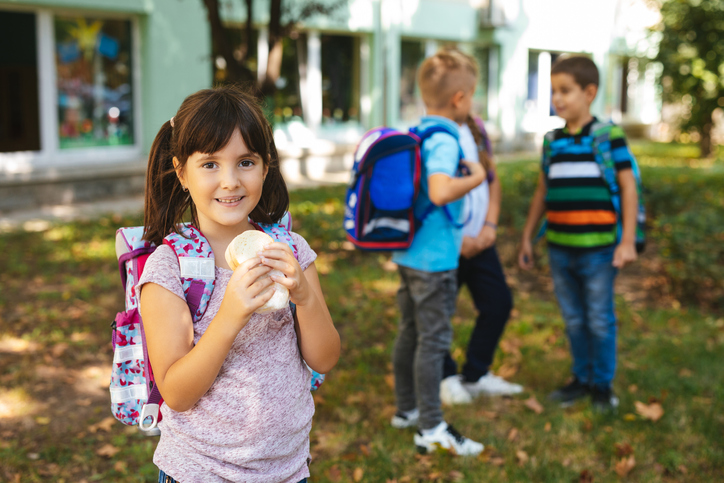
{"x":578,"y":201}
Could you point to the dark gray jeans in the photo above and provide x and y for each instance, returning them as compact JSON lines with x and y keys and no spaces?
{"x":427,"y":302}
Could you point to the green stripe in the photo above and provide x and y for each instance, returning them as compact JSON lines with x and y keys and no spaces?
{"x":591,"y":193}
{"x":581,"y":240}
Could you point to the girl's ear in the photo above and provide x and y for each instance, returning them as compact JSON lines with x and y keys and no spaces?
{"x":457,"y":98}
{"x":179,"y":171}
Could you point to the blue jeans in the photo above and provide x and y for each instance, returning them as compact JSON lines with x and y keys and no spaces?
{"x":164,"y":478}
{"x":583,"y":283}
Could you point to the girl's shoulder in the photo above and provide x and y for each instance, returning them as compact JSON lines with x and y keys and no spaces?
{"x":162,"y":268}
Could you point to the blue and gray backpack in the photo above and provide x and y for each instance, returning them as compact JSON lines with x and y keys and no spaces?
{"x":384,"y":184}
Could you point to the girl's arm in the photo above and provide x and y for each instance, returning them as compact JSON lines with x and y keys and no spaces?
{"x":318,"y":339}
{"x":182,"y":370}
{"x":488,"y":234}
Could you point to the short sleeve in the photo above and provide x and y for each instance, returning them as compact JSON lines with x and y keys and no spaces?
{"x":441,"y":153}
{"x":305,"y":254}
{"x":620,"y":152}
{"x":162,"y":268}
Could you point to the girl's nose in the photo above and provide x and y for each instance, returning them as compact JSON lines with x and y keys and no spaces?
{"x":229,"y":179}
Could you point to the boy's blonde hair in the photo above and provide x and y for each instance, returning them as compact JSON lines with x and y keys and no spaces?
{"x":444,"y":74}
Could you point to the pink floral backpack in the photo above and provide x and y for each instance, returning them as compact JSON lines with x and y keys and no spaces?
{"x":135,"y":399}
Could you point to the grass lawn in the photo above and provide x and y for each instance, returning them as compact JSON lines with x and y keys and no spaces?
{"x":61,"y":290}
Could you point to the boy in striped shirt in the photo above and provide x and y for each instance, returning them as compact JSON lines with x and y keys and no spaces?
{"x":586,"y":247}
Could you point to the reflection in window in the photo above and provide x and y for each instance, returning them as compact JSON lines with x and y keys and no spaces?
{"x":95,"y":103}
{"x":412,"y":54}
{"x":340,"y":78}
{"x":480,"y":99}
{"x":19,"y":120}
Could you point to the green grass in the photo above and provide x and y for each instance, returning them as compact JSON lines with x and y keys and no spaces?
{"x":60,"y":291}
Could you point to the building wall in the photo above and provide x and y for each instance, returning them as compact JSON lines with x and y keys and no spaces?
{"x":170,"y":59}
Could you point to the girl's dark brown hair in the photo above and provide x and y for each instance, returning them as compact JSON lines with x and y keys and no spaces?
{"x":481,"y":142}
{"x":204,"y":124}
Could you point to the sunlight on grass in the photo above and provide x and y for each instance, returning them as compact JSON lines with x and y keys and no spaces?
{"x":17,"y":345}
{"x":15,"y":403}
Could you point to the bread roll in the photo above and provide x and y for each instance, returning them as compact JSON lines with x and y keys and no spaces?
{"x":246,"y":246}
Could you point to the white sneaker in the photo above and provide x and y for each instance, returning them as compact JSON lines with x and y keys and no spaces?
{"x":452,"y":391}
{"x":403,"y":419}
{"x":492,"y":385}
{"x":445,"y":437}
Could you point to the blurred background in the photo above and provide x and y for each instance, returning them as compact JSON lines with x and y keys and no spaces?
{"x":85,"y":84}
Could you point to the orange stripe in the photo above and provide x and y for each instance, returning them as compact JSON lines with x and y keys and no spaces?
{"x":584,"y":217}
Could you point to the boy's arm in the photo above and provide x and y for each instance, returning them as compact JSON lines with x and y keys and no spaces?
{"x":444,"y":189}
{"x":535,"y":213}
{"x":626,"y":250}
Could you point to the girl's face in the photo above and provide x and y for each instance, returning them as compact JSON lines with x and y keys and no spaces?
{"x":225,"y":185}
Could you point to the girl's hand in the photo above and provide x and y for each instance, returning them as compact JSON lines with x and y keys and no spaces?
{"x":248,"y":289}
{"x":486,"y":237}
{"x":278,"y":256}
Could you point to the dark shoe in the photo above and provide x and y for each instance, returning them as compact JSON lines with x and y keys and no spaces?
{"x":603,"y":400}
{"x":569,"y":394}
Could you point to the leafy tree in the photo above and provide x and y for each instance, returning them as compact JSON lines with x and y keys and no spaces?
{"x":691,"y":50}
{"x":284,"y":15}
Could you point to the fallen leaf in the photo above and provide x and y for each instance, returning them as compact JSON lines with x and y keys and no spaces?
{"x":682,"y":469}
{"x":629,"y":417}
{"x":364,"y":449}
{"x":547,"y":427}
{"x":506,"y":371}
{"x":390,"y":380}
{"x":512,"y":434}
{"x":652,"y":411}
{"x":622,"y":449}
{"x":358,"y":474}
{"x":455,"y":475}
{"x":83,"y":402}
{"x":533,"y":404}
{"x":633,"y":388}
{"x":120,"y":466}
{"x":335,"y":475}
{"x":684,"y":372}
{"x":43,"y":420}
{"x":104,"y":425}
{"x":522,"y":457}
{"x":567,"y":462}
{"x":587,"y":425}
{"x":624,"y":466}
{"x":107,"y":450}
{"x":586,"y":476}
{"x":487,"y":414}
{"x":497,"y":461}
{"x":435,"y":475}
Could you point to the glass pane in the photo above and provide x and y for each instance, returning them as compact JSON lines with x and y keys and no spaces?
{"x":480,"y":100}
{"x":411,"y":55}
{"x":340,"y":78}
{"x":287,"y":98}
{"x":95,"y":95}
{"x":19,"y":119}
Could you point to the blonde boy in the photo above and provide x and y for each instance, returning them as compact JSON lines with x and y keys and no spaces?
{"x":428,"y":269}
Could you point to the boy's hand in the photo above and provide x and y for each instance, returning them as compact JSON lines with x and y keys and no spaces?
{"x":476,"y":169}
{"x":525,"y":256}
{"x":625,"y":253}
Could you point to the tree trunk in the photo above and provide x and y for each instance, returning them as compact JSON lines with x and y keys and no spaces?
{"x":235,"y":71}
{"x":705,"y":145}
{"x":274,"y":62}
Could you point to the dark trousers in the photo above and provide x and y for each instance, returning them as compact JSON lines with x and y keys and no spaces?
{"x":483,"y":275}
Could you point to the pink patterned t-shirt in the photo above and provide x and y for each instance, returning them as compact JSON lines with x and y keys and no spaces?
{"x":253,"y":423}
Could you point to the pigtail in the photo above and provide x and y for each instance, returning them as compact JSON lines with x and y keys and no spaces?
{"x":165,"y":200}
{"x":481,"y":141}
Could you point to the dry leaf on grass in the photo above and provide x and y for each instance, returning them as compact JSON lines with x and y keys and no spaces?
{"x":335,"y":475}
{"x":547,"y":427}
{"x":586,"y":476}
{"x":107,"y":450}
{"x":622,"y":449}
{"x":512,"y":434}
{"x":358,"y":474}
{"x":390,"y":380}
{"x":624,"y":466}
{"x":522,"y":457}
{"x":104,"y":425}
{"x":652,"y":411}
{"x":533,"y":404}
{"x":455,"y":475}
{"x":120,"y":466}
{"x":497,"y":461}
{"x":506,"y":371}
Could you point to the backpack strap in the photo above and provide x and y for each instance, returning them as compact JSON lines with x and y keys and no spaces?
{"x":279,"y":231}
{"x":198,"y":269}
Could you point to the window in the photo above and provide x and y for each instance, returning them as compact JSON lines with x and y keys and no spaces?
{"x":412,"y":53}
{"x":539,"y":73}
{"x":19,"y":108}
{"x":94,"y":75}
{"x":480,"y":100}
{"x":340,"y":78}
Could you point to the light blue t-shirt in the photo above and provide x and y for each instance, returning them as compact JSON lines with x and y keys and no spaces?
{"x":436,"y":246}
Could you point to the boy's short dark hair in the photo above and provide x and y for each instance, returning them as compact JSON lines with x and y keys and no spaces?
{"x":583,"y":69}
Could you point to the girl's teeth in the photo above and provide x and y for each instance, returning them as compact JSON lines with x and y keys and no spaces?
{"x":230,"y":201}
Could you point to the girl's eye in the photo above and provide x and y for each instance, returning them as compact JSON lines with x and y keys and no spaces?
{"x":208,"y":165}
{"x":246,"y":163}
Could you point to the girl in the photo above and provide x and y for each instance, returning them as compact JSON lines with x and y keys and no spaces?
{"x":481,"y":271}
{"x":237,"y":401}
